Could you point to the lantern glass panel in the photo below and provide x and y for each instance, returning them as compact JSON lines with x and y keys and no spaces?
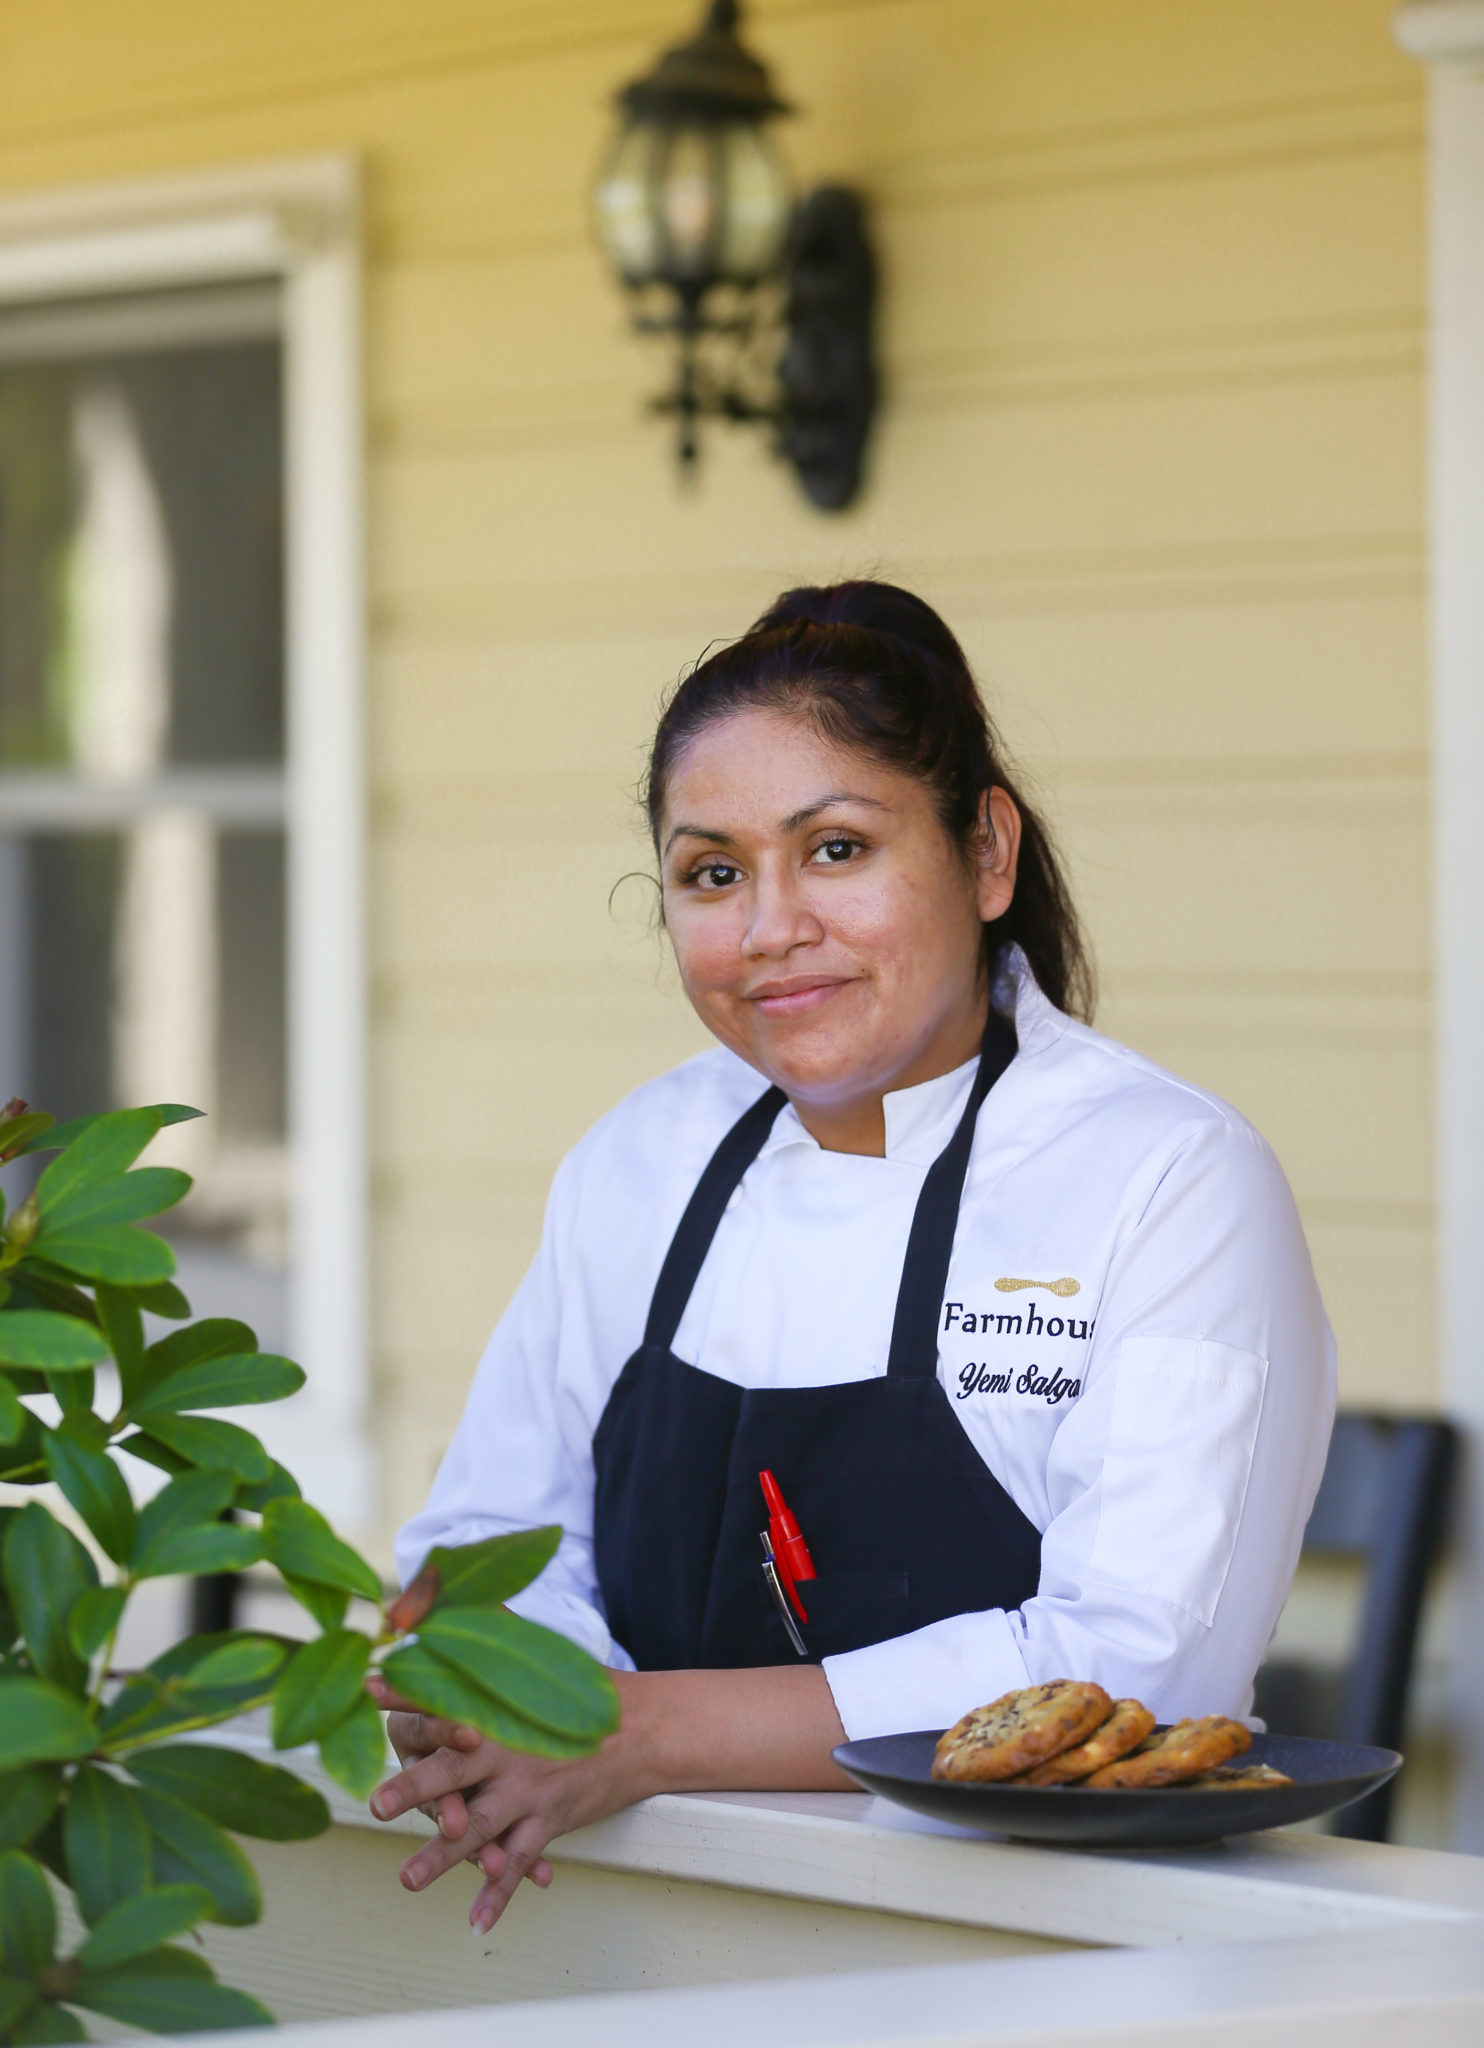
{"x":691,"y":199}
{"x":758,"y":203}
{"x":626,"y":207}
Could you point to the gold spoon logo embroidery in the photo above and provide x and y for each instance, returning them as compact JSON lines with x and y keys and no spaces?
{"x":1064,"y":1288}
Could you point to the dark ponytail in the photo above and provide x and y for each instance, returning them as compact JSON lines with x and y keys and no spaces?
{"x":875,"y":669}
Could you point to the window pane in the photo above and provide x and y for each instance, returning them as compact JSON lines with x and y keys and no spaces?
{"x":146,"y":966}
{"x":252,"y":1016}
{"x":141,"y":548}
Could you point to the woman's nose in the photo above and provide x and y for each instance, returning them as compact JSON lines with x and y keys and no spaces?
{"x":780,"y":920}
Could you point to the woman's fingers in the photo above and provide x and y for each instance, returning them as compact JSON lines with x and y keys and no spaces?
{"x":491,"y":1861}
{"x":415,"y":1734}
{"x":487,"y":1815}
{"x":431,"y":1777}
{"x":384,"y":1696}
{"x":520,"y":1850}
{"x":452,"y":1816}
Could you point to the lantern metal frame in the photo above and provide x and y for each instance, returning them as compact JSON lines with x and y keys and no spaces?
{"x":792,"y":349}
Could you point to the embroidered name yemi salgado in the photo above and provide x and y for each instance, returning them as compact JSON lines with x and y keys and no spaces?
{"x":976,"y":1378}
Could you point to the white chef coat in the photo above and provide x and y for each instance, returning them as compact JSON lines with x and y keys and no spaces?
{"x":1161,"y":1415}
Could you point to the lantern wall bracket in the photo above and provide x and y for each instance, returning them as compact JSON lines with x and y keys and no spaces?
{"x":823,"y":372}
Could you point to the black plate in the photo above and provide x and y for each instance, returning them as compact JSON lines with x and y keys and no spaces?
{"x":1325,"y":1775}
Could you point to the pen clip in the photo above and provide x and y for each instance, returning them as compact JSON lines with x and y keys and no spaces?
{"x":780,"y":1598}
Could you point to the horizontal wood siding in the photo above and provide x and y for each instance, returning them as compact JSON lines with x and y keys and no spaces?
{"x":1153,"y":352}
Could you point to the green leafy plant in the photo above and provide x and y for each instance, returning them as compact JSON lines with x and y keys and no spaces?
{"x":104,"y":1782}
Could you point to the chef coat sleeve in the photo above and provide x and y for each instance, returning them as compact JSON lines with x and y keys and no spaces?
{"x":521,"y":1456}
{"x":1181,"y":1480}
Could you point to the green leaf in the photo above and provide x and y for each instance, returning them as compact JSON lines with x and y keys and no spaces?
{"x":28,"y":1799}
{"x":141,"y":1995}
{"x":96,"y":1148}
{"x":537,"y":1672}
{"x":328,"y":1604}
{"x":47,"y":1848}
{"x":123,"y":1326}
{"x":473,"y":1574}
{"x":96,"y":1488}
{"x":140,"y":1446}
{"x":120,"y":1252}
{"x":298,"y":1539}
{"x":213,"y":1446}
{"x":194,"y":1553}
{"x":239,"y":1382}
{"x":74,"y":1393}
{"x":142,"y":1922}
{"x":107,"y":1845}
{"x":193,"y":1498}
{"x":45,"y":1569}
{"x":235,"y":1790}
{"x":189,"y":1849}
{"x":16,"y":1997}
{"x":354,"y":1753}
{"x":28,"y":1919}
{"x":163,"y":1298}
{"x":69,"y":1133}
{"x":21,"y":1130}
{"x":46,"y":2025}
{"x":12,"y":1412}
{"x":164,"y":1699}
{"x":33,"y":1287}
{"x":23,"y":1461}
{"x":438,"y":1688}
{"x":212,"y":1337}
{"x":279,"y":1485}
{"x":245,"y":1660}
{"x":94,"y":1617}
{"x":39,"y":1723}
{"x":149,"y":1191}
{"x":50,"y":1342}
{"x":319,"y":1688}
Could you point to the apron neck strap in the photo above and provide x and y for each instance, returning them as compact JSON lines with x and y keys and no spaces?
{"x":914,"y":1330}
{"x":704,"y":1210}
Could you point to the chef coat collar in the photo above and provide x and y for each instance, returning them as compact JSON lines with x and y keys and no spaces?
{"x":921,"y":1120}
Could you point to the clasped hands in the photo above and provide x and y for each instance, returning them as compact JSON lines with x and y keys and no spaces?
{"x":493,"y":1807}
{"x":768,"y":1729}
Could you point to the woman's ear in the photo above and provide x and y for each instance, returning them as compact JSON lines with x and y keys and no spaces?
{"x":996,"y":853}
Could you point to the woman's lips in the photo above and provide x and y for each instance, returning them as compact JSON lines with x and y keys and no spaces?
{"x":794,"y":998}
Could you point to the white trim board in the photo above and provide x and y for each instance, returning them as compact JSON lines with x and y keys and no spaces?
{"x":297,"y":223}
{"x":1270,"y":1939}
{"x":1450,"y":35}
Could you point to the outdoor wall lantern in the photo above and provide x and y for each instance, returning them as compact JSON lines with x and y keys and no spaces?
{"x":769,"y":299}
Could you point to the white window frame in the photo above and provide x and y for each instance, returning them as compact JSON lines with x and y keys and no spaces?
{"x":1448,"y":35}
{"x":298,"y":222}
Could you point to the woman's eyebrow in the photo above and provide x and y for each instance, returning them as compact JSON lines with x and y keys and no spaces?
{"x":796,"y":819}
{"x":698,"y":832}
{"x":792,"y":823}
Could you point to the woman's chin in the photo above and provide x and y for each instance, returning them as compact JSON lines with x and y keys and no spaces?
{"x":813,"y":1066}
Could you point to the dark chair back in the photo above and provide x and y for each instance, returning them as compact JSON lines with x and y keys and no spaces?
{"x":1384,"y":1498}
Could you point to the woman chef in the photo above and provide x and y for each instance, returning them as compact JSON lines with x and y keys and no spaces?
{"x":1025,"y":1327}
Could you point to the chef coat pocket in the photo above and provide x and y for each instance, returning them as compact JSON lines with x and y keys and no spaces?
{"x":1175,"y":1472}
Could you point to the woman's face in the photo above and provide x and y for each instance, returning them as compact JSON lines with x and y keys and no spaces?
{"x":825,"y":926}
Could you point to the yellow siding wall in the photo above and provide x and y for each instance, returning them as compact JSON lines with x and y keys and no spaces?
{"x":1153,"y":309}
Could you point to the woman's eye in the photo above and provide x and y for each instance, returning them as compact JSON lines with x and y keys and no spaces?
{"x":713,"y":874}
{"x":835,"y":850}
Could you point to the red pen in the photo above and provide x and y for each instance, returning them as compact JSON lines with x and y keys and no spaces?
{"x":790,"y":1551}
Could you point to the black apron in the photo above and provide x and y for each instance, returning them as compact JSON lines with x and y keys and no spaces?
{"x":905,"y":1522}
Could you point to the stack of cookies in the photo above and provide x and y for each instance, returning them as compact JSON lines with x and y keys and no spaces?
{"x":1071,"y":1733}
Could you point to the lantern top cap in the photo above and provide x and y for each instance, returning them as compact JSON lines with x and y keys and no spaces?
{"x":711,"y":78}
